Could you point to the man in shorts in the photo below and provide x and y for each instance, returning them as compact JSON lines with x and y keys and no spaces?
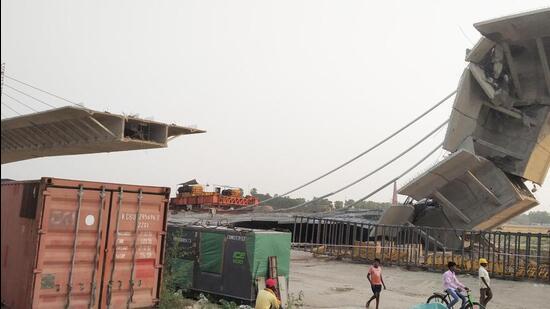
{"x":376,"y":282}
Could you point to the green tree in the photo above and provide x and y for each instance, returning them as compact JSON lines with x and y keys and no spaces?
{"x":522,"y":219}
{"x":539,"y":217}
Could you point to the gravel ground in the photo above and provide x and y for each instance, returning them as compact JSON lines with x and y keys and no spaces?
{"x":327,"y":283}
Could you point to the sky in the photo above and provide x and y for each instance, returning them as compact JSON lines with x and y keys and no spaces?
{"x":286,"y":90}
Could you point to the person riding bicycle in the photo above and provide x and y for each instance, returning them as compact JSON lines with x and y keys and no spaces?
{"x":452,"y":286}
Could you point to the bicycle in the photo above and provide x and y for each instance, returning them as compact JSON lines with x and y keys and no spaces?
{"x":445,"y":298}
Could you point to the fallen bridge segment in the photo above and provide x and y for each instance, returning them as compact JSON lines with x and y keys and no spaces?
{"x":498,"y":133}
{"x":76,"y":130}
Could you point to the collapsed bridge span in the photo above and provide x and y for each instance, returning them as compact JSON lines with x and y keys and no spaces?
{"x":498,"y":134}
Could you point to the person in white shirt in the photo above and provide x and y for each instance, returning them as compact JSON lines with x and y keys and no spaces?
{"x":453,"y":287}
{"x":485,"y":293}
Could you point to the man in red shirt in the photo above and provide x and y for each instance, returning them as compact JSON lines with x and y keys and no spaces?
{"x":376,"y":281}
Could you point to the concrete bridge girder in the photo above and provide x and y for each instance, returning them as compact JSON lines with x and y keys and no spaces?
{"x":76,"y":130}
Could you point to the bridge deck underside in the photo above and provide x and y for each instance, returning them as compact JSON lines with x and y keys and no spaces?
{"x":74,"y":130}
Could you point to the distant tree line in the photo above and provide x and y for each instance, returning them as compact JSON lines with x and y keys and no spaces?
{"x":533,"y":217}
{"x":317,"y":206}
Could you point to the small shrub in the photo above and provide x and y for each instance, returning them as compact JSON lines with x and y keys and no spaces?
{"x":295,"y":302}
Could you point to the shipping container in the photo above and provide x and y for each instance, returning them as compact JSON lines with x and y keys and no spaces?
{"x":82,"y":244}
{"x":225,"y":261}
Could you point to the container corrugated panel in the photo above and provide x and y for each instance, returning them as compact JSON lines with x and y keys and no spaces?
{"x":80,"y":244}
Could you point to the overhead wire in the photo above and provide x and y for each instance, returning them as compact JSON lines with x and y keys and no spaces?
{"x":372,"y":172}
{"x":30,"y":96}
{"x":396,"y":178}
{"x":42,"y":90}
{"x":12,"y":109}
{"x":364,"y":152}
{"x":277,"y":196}
{"x":359,"y":155}
{"x":16,"y":100}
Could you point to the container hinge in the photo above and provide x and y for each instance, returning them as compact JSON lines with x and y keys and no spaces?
{"x":37,"y":271}
{"x":162,"y":232}
{"x":159,"y":266}
{"x":41,"y":232}
{"x":109,"y":293}
{"x":46,"y":193}
{"x":69,"y":290}
{"x":93,"y":288}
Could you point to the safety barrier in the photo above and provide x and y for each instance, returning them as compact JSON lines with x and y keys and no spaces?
{"x":511,"y":255}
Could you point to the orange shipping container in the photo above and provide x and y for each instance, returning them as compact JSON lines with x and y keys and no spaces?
{"x":81,"y":244}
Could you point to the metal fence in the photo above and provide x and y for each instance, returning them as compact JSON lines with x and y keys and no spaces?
{"x":510,"y":255}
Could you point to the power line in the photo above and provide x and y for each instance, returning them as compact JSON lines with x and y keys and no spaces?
{"x":359,"y":155}
{"x":13,"y":110}
{"x":30,"y":96}
{"x":466,"y":36}
{"x":396,"y":178}
{"x":364,"y":152}
{"x":42,"y":90}
{"x":16,"y":100}
{"x":372,"y":172}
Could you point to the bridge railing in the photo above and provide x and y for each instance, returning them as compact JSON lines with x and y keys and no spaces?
{"x":510,"y":255}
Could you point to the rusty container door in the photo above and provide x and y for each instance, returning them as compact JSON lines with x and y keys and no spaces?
{"x":80,"y":244}
{"x":71,"y":248}
{"x":134,"y":250}
{"x":19,"y":241}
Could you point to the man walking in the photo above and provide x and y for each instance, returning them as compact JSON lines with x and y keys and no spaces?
{"x":376,"y":282}
{"x":452,"y":286}
{"x":485,"y":293}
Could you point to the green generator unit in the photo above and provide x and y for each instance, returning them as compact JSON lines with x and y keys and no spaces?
{"x":225,"y":261}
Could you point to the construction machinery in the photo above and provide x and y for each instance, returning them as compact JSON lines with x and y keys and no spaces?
{"x":228,"y":262}
{"x":192,"y":196}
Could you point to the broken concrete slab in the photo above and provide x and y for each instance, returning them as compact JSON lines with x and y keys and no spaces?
{"x":77,"y":130}
{"x":472,"y":193}
{"x":397,"y":215}
{"x":503,"y":100}
{"x":522,"y":26}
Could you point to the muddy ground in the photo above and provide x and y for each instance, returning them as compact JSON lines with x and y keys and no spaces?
{"x":328,"y":283}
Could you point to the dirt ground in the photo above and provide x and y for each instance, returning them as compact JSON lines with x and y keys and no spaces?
{"x":327,"y":283}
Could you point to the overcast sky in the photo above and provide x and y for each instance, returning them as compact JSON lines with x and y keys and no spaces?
{"x":285,"y":89}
